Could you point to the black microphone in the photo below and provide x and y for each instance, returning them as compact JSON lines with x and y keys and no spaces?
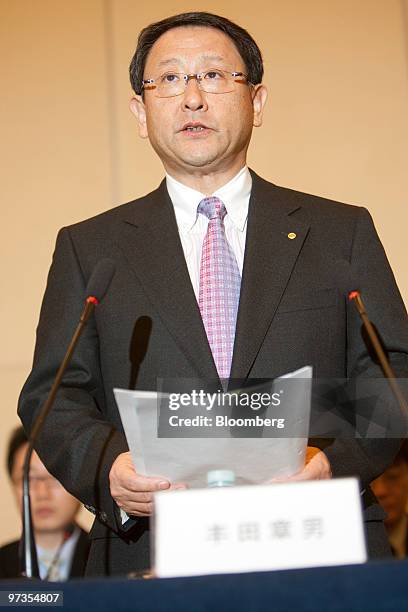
{"x":96,"y":289}
{"x":100,"y":280}
{"x":345,"y":281}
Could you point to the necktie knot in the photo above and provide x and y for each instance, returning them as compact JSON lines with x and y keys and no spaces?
{"x":212,"y":208}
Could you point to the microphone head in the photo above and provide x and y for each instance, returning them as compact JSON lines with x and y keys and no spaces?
{"x":100,"y":280}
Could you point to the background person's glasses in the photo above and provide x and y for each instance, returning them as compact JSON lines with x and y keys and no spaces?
{"x":211,"y":81}
{"x":35,"y":481}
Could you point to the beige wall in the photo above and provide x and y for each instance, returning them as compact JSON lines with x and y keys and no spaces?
{"x":337,"y":125}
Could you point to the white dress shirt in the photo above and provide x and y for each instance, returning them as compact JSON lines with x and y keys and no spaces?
{"x":193,"y":226}
{"x":60,"y":558}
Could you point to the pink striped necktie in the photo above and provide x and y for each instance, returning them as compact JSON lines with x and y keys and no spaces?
{"x":220,"y":283}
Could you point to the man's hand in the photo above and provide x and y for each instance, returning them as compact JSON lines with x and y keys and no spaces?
{"x":133,"y":492}
{"x":317,"y":467}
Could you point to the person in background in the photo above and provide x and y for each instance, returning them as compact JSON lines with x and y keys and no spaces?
{"x":62,"y":546}
{"x":391,"y":490}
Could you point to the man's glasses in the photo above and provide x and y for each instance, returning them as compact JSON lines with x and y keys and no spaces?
{"x":211,"y":81}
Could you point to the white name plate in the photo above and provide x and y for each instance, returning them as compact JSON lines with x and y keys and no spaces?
{"x":256,"y":528}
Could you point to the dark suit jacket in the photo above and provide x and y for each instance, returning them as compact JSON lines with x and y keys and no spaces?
{"x":394,"y":552}
{"x":291,"y":313}
{"x":9,"y":559}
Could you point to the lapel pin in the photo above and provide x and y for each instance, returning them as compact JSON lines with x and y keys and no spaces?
{"x":291,"y":235}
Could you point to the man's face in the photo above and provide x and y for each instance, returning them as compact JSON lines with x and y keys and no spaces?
{"x":53,"y":508}
{"x":227,"y":118}
{"x":391,"y":489}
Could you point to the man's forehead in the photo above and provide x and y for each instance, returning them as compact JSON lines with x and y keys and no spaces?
{"x":192,"y":43}
{"x":35,"y":464}
{"x":210,"y":57}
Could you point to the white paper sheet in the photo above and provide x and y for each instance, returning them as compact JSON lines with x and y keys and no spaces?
{"x":188,"y":460}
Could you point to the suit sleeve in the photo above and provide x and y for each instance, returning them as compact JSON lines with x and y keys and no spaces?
{"x":372,"y":276}
{"x":77,"y":444}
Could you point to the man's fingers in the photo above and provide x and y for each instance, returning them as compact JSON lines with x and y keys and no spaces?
{"x":138,"y":509}
{"x":146,"y":484}
{"x":138,"y":497}
{"x":133,"y":492}
{"x":317,"y":468}
{"x":178,"y":486}
{"x":124,"y":476}
{"x":138,"y":492}
{"x":303,"y":475}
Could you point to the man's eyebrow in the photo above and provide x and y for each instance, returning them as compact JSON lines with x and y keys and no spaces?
{"x":178,"y":60}
{"x":171,"y":60}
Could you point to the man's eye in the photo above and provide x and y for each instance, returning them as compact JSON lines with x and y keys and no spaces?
{"x":213,"y":74}
{"x":169,"y":78}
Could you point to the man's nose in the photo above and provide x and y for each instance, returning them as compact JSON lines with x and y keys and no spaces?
{"x":41,"y":487}
{"x":42,"y":490}
{"x":194,"y":98}
{"x":379,"y":487}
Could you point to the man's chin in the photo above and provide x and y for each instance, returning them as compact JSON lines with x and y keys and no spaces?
{"x":45,"y":527}
{"x":391,"y":520}
{"x":200,"y":161}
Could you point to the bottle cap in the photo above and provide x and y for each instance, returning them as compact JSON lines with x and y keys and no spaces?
{"x":220,"y":478}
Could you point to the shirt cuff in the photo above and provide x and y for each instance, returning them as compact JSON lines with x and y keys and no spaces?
{"x":124,"y":517}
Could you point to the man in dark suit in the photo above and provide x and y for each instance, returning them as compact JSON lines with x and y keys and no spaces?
{"x":62,"y":546}
{"x":391,"y":490}
{"x":198,"y":84}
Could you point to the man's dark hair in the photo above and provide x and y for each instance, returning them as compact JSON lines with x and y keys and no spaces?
{"x":17,"y":439}
{"x":245,"y":44}
{"x":402,"y":456}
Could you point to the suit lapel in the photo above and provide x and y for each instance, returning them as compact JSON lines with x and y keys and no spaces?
{"x":150,"y":241}
{"x":273,"y":243}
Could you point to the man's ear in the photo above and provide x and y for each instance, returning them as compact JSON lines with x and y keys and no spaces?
{"x":259,"y":97}
{"x":138,"y":109}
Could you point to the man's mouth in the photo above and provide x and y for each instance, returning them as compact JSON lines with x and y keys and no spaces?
{"x":194,"y":127}
{"x":44,"y":512}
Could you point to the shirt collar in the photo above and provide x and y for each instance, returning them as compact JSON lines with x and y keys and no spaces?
{"x":235,"y":195}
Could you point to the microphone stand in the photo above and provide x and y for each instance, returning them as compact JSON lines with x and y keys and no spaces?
{"x":28,"y":561}
{"x":379,"y":351}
